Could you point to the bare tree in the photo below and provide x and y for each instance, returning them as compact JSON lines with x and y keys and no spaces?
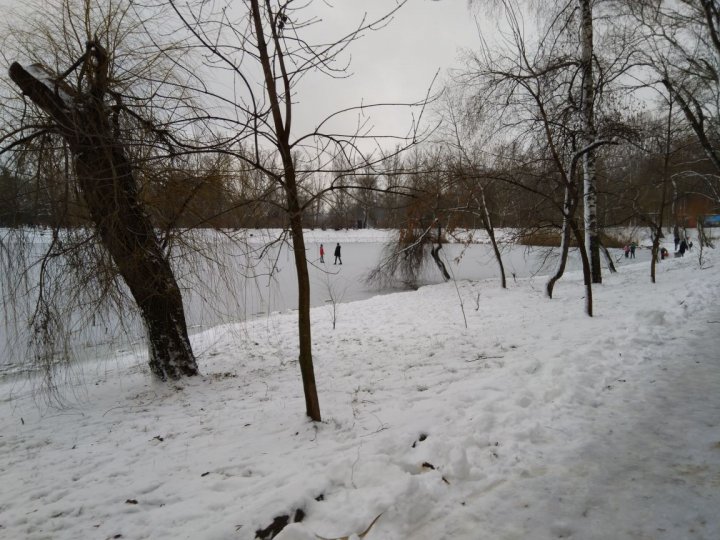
{"x":444,"y":192}
{"x":467,"y":171}
{"x":659,"y":143}
{"x":587,"y":34}
{"x":683,"y":51}
{"x":552,"y":94}
{"x":589,"y":136}
{"x":529,"y":91}
{"x":265,"y":48}
{"x":90,"y":111}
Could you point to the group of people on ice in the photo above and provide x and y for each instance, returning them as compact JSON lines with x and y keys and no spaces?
{"x":629,"y":250}
{"x":681,"y":246}
{"x":336,"y":253}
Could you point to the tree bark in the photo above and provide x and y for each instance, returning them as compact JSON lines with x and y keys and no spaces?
{"x":608,"y":258}
{"x":289,"y":183}
{"x":657,"y":233}
{"x":564,"y":246}
{"x":109,"y":188}
{"x":312,"y":403}
{"x":592,"y":242}
{"x":587,"y":274}
{"x":488,"y":226}
{"x":498,"y":257}
{"x":435,"y":253}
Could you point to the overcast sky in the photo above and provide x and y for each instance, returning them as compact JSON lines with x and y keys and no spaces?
{"x":396,"y":63}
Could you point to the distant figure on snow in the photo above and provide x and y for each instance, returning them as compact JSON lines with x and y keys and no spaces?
{"x":626,"y":249}
{"x":322,"y":254}
{"x":337,"y":254}
{"x":663,"y":253}
{"x":633,"y":245}
{"x":683,"y":247}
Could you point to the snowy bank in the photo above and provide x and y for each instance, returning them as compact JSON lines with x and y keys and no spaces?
{"x":533,"y":422}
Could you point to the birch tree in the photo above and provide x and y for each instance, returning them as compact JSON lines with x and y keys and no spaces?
{"x":576,"y":21}
{"x":587,"y":108}
{"x":528,"y":91}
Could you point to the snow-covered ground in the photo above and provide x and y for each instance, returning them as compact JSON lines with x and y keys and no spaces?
{"x":533,"y":422}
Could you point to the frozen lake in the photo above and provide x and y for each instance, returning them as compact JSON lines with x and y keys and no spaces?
{"x":253,"y":280}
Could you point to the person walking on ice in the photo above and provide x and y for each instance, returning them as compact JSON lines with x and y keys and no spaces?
{"x":322,"y":254}
{"x":337,"y":254}
{"x":633,"y":245}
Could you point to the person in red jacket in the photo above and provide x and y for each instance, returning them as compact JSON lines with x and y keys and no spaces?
{"x":322,"y":254}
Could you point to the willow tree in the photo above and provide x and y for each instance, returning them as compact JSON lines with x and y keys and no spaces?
{"x":87,"y":100}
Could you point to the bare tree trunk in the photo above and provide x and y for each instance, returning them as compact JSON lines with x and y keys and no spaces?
{"x":498,"y":258}
{"x":608,"y":258}
{"x":312,"y":403}
{"x":592,"y":240}
{"x":482,"y":203}
{"x":435,"y":252}
{"x":488,"y":226}
{"x":587,"y":274}
{"x":289,"y":183}
{"x":655,"y":250}
{"x":109,"y":188}
{"x":564,"y":247}
{"x":657,"y":233}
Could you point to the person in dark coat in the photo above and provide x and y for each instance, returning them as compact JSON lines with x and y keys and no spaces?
{"x":683,"y":248}
{"x":337,"y":254}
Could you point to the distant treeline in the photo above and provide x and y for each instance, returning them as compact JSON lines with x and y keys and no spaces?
{"x":424,"y":191}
